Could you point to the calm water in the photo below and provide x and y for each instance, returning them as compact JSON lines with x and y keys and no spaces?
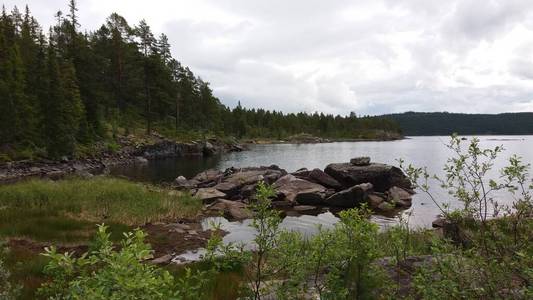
{"x":420,"y":151}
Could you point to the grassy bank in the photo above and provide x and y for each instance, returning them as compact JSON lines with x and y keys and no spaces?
{"x":38,"y":212}
{"x":65,"y":210}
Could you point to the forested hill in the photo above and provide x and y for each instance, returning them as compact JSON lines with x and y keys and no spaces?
{"x":64,"y":88}
{"x":443,"y":123}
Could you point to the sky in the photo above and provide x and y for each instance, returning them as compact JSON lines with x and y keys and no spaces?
{"x":369,"y":57}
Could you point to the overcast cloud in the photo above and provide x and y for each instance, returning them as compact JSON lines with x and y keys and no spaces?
{"x":371,"y":57}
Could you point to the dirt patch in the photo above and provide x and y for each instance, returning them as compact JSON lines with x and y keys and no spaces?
{"x":37,"y":248}
{"x":176,"y":238}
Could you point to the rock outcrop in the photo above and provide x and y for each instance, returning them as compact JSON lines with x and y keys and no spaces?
{"x":299,"y":191}
{"x":383,"y":187}
{"x":232,"y":210}
{"x":382,"y":176}
{"x":350,"y":197}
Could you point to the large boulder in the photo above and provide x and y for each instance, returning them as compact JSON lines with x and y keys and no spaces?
{"x":382,"y":176}
{"x":232,"y":210}
{"x":374,"y":200}
{"x":232,"y":183}
{"x":400,"y":197}
{"x":350,"y":197}
{"x":360,"y":161}
{"x":181,"y":183}
{"x":320,"y":177}
{"x":208,"y":195}
{"x":300,"y":191}
{"x":211,"y":175}
{"x":209,"y":149}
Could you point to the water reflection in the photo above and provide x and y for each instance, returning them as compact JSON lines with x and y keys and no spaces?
{"x":241,"y":232}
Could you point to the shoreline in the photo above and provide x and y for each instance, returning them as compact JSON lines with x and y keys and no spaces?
{"x":130,"y":153}
{"x":318,"y":141}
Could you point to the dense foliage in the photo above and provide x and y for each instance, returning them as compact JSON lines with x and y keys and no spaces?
{"x":65,"y":87}
{"x":443,"y":123}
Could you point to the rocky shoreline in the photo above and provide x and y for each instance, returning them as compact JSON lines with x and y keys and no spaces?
{"x":309,"y":139}
{"x":382,"y":187}
{"x":129,"y":153}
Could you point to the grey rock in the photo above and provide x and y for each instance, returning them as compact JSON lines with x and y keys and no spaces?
{"x":360,"y":161}
{"x":305,"y":208}
{"x":163,"y":260}
{"x":181,"y":183}
{"x":141,"y":160}
{"x":440,"y":223}
{"x":386,"y":206}
{"x":209,"y":194}
{"x":350,"y":197}
{"x":209,"y":149}
{"x":400,"y":197}
{"x":232,"y":210}
{"x":382,"y":176}
{"x":320,"y":177}
{"x":301,"y":173}
{"x":232,"y":184}
{"x":374,"y":200}
{"x":300,"y":191}
{"x":208,"y":176}
{"x":282,"y":204}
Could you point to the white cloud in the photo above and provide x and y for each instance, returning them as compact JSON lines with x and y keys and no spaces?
{"x":371,"y":57}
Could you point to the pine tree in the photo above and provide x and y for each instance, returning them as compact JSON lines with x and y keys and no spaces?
{"x":146,"y":44}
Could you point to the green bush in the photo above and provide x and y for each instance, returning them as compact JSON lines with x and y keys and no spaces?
{"x":107,"y":273}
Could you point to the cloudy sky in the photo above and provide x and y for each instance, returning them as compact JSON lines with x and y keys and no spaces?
{"x":371,"y":57}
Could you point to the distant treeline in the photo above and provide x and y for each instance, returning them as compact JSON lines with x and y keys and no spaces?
{"x":443,"y":123}
{"x":64,"y":88}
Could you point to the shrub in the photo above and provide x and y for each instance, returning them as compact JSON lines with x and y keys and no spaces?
{"x":107,"y":273}
{"x":494,"y":253}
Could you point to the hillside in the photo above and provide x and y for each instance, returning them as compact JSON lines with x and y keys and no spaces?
{"x":443,"y":123}
{"x":66,"y":89}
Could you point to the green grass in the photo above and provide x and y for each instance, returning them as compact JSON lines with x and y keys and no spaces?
{"x":66,"y":213}
{"x":67,"y":210}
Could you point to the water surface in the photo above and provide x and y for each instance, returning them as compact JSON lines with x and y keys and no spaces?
{"x":420,"y":151}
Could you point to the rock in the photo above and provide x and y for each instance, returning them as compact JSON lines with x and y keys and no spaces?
{"x":163,"y":260}
{"x":305,"y":208}
{"x":181,"y":183}
{"x":320,"y":177}
{"x":78,"y":167}
{"x":180,"y":179}
{"x":82,"y":174}
{"x":350,"y":197}
{"x":300,"y":191}
{"x":317,"y":176}
{"x":191,"y":149}
{"x":399,"y":196}
{"x":208,"y":175}
{"x":248,"y":191}
{"x":209,"y":194}
{"x":440,"y":223}
{"x":180,"y":226}
{"x":282,"y":203}
{"x":382,"y":176}
{"x":232,"y":210}
{"x":386,"y":206}
{"x":141,"y":160}
{"x":302,"y":173}
{"x":35,"y":169}
{"x":360,"y":161}
{"x":375,"y":200}
{"x":232,"y":184}
{"x":209,"y":149}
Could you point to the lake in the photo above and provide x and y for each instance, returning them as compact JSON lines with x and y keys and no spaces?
{"x":419,"y":151}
